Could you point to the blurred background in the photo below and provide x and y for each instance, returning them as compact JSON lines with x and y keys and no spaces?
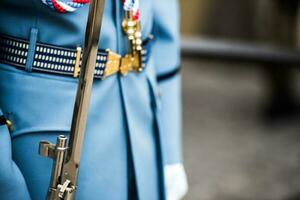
{"x":241,"y":99}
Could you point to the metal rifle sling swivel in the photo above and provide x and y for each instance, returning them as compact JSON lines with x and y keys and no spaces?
{"x":66,"y":155}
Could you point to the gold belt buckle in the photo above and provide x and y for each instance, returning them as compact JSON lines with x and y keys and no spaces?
{"x":113,"y":63}
{"x":116,"y":63}
{"x":130,"y":63}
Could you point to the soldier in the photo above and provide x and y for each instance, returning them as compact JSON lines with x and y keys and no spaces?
{"x":132,"y":147}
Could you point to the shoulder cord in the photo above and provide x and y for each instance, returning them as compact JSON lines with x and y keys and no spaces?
{"x":72,"y":5}
{"x":65,"y":7}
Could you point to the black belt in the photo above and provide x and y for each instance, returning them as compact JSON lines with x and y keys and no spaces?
{"x":64,"y":61}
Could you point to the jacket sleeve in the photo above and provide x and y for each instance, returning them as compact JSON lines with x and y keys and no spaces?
{"x":12,"y":183}
{"x":166,"y":53}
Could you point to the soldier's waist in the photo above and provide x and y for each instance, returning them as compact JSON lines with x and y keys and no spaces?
{"x":44,"y":58}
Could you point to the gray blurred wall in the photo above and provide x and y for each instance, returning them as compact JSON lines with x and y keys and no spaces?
{"x":218,"y":18}
{"x":273,"y":21}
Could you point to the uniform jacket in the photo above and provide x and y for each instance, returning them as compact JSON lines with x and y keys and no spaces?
{"x":133,"y":126}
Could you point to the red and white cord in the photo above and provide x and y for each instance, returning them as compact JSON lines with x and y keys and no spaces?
{"x":72,"y":5}
{"x":133,"y":6}
{"x":65,"y":6}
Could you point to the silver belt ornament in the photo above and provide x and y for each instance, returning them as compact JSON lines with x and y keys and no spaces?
{"x":66,"y":156}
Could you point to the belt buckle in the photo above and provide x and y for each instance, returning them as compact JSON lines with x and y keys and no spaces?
{"x":130,"y":62}
{"x":116,"y":63}
{"x":113,"y":63}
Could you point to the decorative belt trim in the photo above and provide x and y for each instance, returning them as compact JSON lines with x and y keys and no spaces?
{"x":58,"y":60}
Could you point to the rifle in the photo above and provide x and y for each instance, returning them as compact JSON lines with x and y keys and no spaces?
{"x":66,"y":157}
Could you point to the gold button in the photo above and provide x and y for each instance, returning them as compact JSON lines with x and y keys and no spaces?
{"x":9,"y":124}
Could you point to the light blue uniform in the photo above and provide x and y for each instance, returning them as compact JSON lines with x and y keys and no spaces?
{"x":134,"y":122}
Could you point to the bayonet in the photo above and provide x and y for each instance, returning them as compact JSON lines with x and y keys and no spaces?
{"x":66,"y":157}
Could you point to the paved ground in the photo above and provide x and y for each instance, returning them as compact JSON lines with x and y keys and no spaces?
{"x":230,"y":152}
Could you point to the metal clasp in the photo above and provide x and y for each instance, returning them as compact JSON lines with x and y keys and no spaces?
{"x":66,"y":190}
{"x":113,"y":63}
{"x":77,"y":62}
{"x":9,"y":125}
{"x":116,"y":63}
{"x":130,"y":63}
{"x":47,"y":149}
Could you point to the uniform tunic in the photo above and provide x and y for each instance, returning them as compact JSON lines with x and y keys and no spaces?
{"x":133,"y":127}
